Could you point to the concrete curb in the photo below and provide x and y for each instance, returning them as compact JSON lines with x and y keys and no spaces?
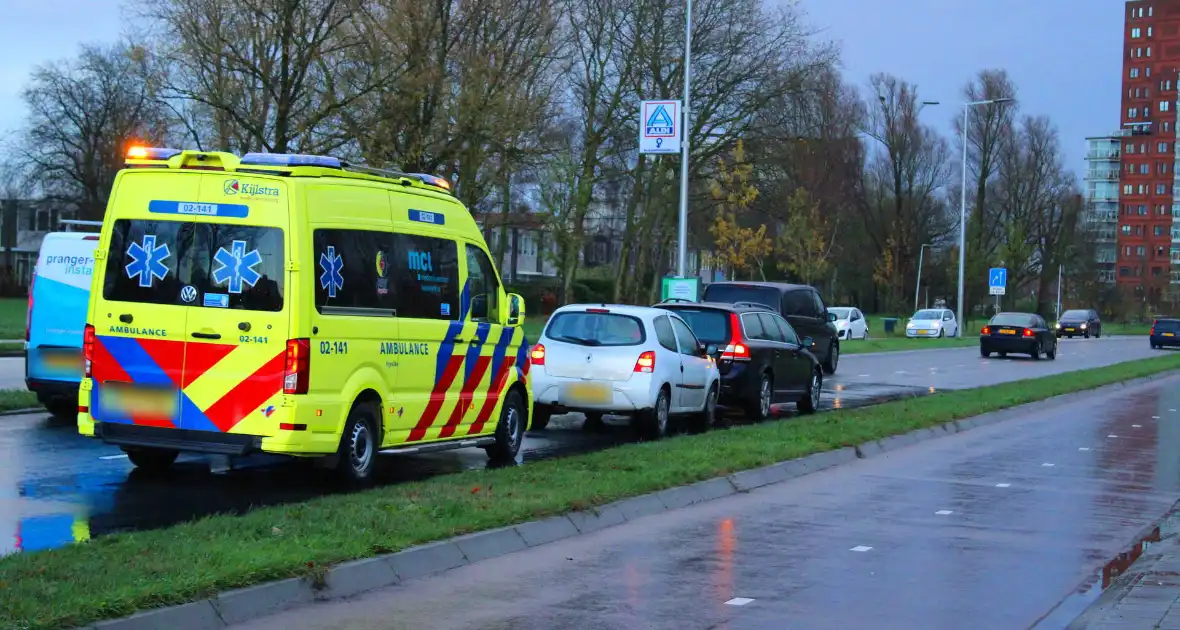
{"x":353,"y":578}
{"x":22,"y":412}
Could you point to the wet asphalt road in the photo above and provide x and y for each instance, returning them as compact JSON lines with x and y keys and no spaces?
{"x":57,"y":487}
{"x":1007,"y":526}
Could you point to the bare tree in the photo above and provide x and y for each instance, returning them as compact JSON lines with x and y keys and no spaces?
{"x":907,"y":176}
{"x":83,"y":114}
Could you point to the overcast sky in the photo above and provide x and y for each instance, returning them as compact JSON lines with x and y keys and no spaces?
{"x":1063,"y":54}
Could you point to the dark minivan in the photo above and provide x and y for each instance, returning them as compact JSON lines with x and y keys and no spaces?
{"x":799,"y":304}
{"x":1165,"y":333}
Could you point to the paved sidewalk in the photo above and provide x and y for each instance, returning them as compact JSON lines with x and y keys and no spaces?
{"x":1146,"y":596}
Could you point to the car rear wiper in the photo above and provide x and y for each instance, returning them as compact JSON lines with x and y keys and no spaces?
{"x":579,"y":340}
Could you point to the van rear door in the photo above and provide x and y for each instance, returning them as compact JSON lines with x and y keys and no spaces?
{"x":237,"y":324}
{"x":58,"y":299}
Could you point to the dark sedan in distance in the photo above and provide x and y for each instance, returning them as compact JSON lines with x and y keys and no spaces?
{"x":1084,"y":322}
{"x":1018,"y":333}
{"x":1165,"y":333}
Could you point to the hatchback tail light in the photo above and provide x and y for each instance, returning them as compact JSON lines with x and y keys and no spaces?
{"x":646,"y":363}
{"x":297,"y":371}
{"x":986,"y":330}
{"x":1028,"y":332}
{"x":537,"y":356}
{"x":88,"y":349}
{"x":737,"y":350}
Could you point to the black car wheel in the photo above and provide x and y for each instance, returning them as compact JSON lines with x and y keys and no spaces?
{"x":810,"y":402}
{"x":1052,"y":353}
{"x":1086,"y":335}
{"x":759,"y":410}
{"x":983,"y":352}
{"x":1036,"y":351}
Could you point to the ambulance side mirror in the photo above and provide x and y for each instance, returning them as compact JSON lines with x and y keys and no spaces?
{"x":516,"y":311}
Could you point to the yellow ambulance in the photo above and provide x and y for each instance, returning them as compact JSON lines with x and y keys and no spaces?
{"x":299,"y":305}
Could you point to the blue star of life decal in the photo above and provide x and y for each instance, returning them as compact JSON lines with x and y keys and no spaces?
{"x":333,"y":265}
{"x":237,"y":266}
{"x":147,"y":261}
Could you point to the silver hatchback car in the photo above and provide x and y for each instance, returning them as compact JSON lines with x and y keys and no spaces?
{"x":632,"y":360}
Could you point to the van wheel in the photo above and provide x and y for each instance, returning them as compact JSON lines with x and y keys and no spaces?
{"x":810,"y":402}
{"x":655,"y":421}
{"x":541,"y":415}
{"x":510,"y":429}
{"x":357,"y":455}
{"x":59,"y":406}
{"x":833,"y":360}
{"x":154,"y":460}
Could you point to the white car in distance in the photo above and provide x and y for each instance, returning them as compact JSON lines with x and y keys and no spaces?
{"x":850,"y":323}
{"x":630,"y":360}
{"x":932,"y":322}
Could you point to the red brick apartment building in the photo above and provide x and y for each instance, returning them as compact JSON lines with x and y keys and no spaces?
{"x":1148,"y":246}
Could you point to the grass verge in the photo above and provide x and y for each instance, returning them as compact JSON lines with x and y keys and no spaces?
{"x":116,"y":575}
{"x":13,"y":399}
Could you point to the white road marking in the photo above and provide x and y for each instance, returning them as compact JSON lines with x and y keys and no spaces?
{"x":1112,"y":436}
{"x":1048,"y":465}
{"x":1155,"y":417}
{"x":861,"y":548}
{"x":1003,"y":485}
{"x":944,"y":512}
{"x":1136,"y":426}
{"x":1083,"y":448}
{"x":863,"y":375}
{"x":739,"y":601}
{"x":123,"y":456}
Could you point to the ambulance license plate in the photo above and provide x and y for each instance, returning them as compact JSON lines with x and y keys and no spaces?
{"x":139,"y":401}
{"x":587,"y":394}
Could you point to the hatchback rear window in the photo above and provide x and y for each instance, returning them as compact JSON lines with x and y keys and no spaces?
{"x":1075,"y":315}
{"x":709,"y":325}
{"x":1167,"y":325}
{"x":195,"y":264}
{"x":596,"y":329}
{"x":1011,"y":319}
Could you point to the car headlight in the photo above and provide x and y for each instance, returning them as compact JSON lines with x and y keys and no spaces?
{"x":936,"y":324}
{"x":1059,"y":324}
{"x":1083,"y":326}
{"x":910,"y":325}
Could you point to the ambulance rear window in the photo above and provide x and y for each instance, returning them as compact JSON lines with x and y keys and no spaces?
{"x":195,"y":264}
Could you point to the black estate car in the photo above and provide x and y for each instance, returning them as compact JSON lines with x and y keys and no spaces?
{"x":799,"y":304}
{"x":1165,"y":333}
{"x":1018,"y":333}
{"x":763,"y":359}
{"x":1084,"y":322}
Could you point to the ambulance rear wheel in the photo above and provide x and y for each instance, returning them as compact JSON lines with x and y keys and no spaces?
{"x":510,"y":430}
{"x":151,"y":459}
{"x":357,"y":455}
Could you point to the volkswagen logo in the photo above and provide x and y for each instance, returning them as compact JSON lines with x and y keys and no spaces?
{"x":188,"y":293}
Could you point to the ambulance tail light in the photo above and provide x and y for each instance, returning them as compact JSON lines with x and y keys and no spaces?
{"x":88,"y":349}
{"x":298,"y":369}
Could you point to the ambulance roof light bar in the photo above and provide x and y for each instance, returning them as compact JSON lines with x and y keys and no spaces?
{"x":138,"y":152}
{"x":290,"y":159}
{"x":429,"y":180}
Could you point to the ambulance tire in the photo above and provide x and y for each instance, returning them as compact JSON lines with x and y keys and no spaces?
{"x":152,"y":460}
{"x":510,"y":429}
{"x":357,"y":454}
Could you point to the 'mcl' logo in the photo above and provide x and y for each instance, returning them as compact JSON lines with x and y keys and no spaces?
{"x":420,"y":261}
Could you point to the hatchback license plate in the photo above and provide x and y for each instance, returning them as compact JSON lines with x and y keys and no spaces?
{"x":1007,"y":331}
{"x":587,"y":394}
{"x":922,"y":332}
{"x":1070,"y":330}
{"x":1169,"y":334}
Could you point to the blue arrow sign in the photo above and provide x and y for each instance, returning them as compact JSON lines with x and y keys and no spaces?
{"x":997,"y":277}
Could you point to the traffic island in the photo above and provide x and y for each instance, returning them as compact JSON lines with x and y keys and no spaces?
{"x":226,"y":569}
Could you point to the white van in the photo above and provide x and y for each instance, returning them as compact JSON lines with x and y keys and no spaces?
{"x":59,"y":297}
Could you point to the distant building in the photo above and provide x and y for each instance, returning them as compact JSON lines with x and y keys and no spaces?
{"x":1102,"y":199}
{"x":23,"y":225}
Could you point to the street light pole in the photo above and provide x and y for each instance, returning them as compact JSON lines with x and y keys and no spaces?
{"x":682,"y":231}
{"x":918,"y":286}
{"x":963,"y":209}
